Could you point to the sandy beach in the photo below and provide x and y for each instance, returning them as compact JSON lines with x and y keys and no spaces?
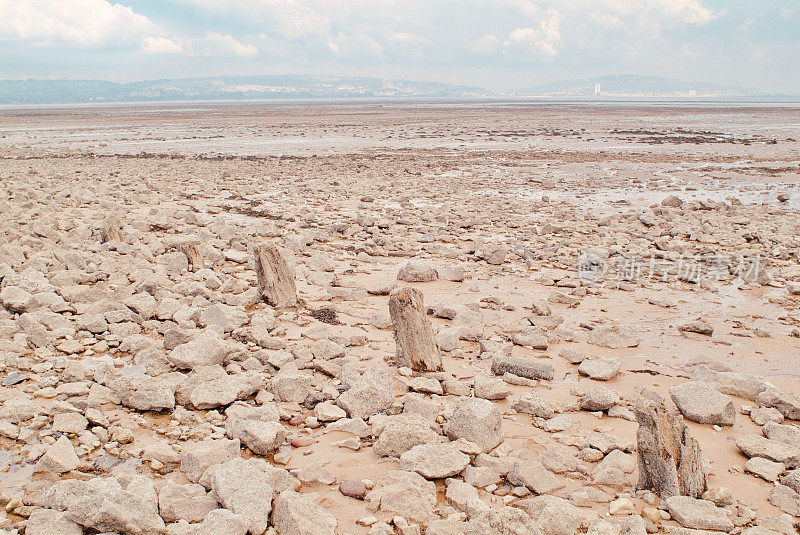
{"x":212,"y":317}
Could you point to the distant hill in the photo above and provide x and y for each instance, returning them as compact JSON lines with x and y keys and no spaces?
{"x":224,"y":88}
{"x":634,"y":86}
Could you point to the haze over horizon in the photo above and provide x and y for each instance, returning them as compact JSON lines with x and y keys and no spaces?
{"x":502,"y":46}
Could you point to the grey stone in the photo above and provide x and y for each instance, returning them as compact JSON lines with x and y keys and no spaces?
{"x":774,"y":450}
{"x":299,"y":514}
{"x":601,"y":369}
{"x":599,"y":398}
{"x":764,"y":468}
{"x":531,"y":473}
{"x":476,"y":420}
{"x":50,"y":522}
{"x":241,"y":486}
{"x":434,"y":461}
{"x":371,"y":393}
{"x":403,"y":432}
{"x":59,"y":457}
{"x":190,"y":502}
{"x":614,"y":336}
{"x":700,"y":402}
{"x":698,"y":514}
{"x":522,"y":367}
{"x":197,"y":457}
{"x":102,"y":504}
{"x":404,"y":493}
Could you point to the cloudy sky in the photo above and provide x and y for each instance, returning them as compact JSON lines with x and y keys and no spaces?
{"x":497,"y":44}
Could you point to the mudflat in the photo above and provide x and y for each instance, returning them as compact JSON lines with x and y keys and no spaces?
{"x":439,"y":318}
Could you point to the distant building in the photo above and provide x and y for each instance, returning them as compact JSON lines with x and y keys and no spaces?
{"x":597,"y":89}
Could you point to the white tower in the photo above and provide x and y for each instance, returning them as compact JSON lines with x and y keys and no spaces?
{"x":597,"y":89}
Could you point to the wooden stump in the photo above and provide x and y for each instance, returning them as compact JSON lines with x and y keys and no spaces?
{"x":669,"y":458}
{"x":111,"y":229}
{"x":192,"y":251}
{"x":413,"y":332}
{"x":275,"y":277}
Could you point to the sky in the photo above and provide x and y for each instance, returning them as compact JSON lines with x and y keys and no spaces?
{"x":502,"y":45}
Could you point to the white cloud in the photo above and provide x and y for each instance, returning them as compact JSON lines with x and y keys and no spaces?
{"x":290,"y":19}
{"x":77,"y":22}
{"x":359,"y":46}
{"x":534,"y":43}
{"x":161,"y":45}
{"x":405,"y":38}
{"x":686,"y":11}
{"x":212,"y":44}
{"x":486,"y":44}
{"x":219,"y":44}
{"x":605,"y":20}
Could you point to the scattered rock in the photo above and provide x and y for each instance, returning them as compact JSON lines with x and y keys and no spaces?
{"x":700,"y":402}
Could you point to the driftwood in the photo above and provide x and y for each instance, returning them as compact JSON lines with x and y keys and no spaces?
{"x":413,"y":332}
{"x":111,"y":229}
{"x":275,"y":276}
{"x":191,"y":249}
{"x":669,"y":458}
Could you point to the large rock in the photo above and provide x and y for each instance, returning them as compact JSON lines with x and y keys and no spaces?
{"x":540,"y":406}
{"x":190,"y":502}
{"x":217,"y":522}
{"x":742,"y":385}
{"x":60,"y":457}
{"x":601,"y":369}
{"x":786,"y":499}
{"x":403,"y":432}
{"x":698,"y":514}
{"x":669,"y":458}
{"x":51,"y":522}
{"x":275,"y":277}
{"x":614,"y":336}
{"x":599,"y":398}
{"x":702,"y":403}
{"x":532,"y":474}
{"x":259,"y":430}
{"x":415,"y":271}
{"x":299,"y":514}
{"x":290,"y":384}
{"x":774,"y":450}
{"x":225,"y":390}
{"x":556,"y":516}
{"x":782,"y":433}
{"x":223,"y":318}
{"x":371,"y":393}
{"x":143,"y":392}
{"x":532,"y":337}
{"x":16,"y":299}
{"x":207,"y":349}
{"x":434,"y":461}
{"x":102,"y":504}
{"x":616,"y":470}
{"x":522,"y":367}
{"x":404,"y":493}
{"x":413,"y":333}
{"x":197,"y":457}
{"x":241,"y":486}
{"x":764,"y":468}
{"x":261,"y":437}
{"x":476,"y":420}
{"x":787,"y":403}
{"x":504,"y":520}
